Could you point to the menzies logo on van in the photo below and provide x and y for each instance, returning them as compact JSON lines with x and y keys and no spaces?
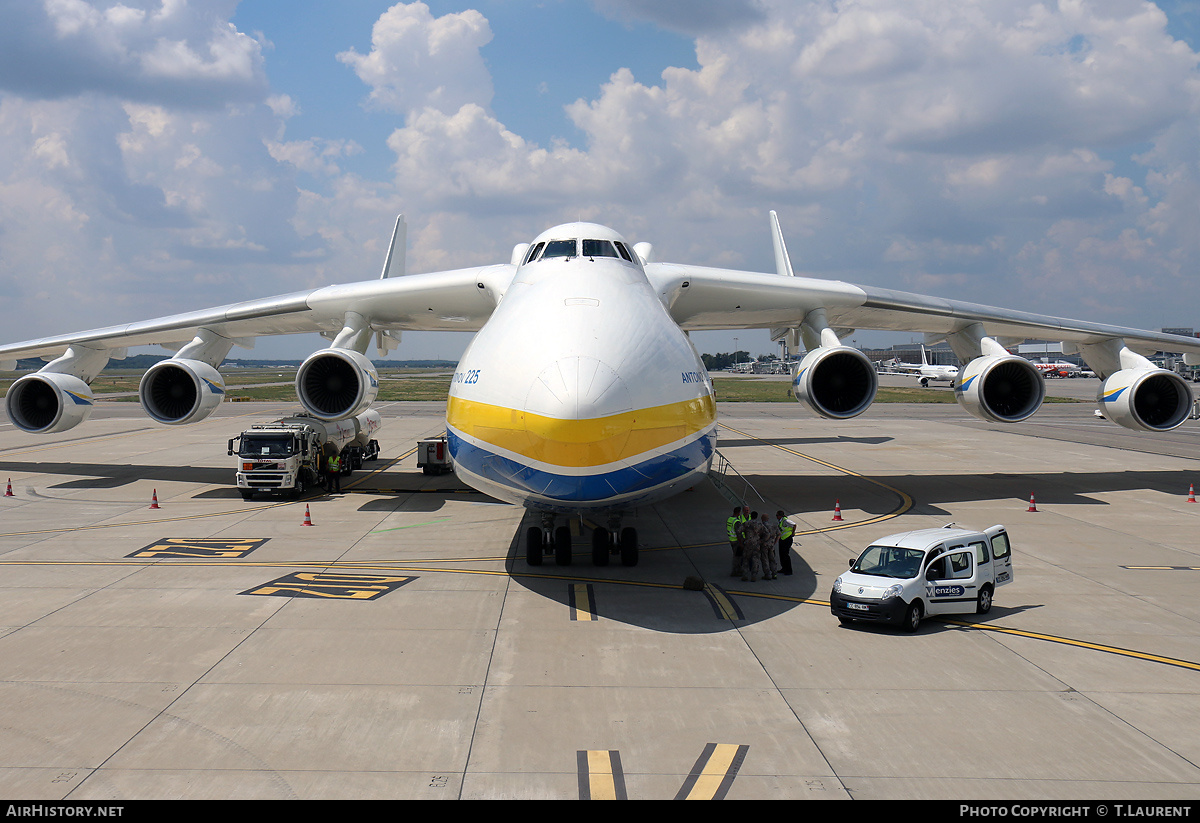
{"x":946,"y":591}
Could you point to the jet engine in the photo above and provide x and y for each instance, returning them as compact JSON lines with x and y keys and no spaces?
{"x":1000,"y":388}
{"x":181,"y":391}
{"x":1149,"y":400}
{"x":336,"y":383}
{"x":48,"y":402}
{"x":837,"y":382}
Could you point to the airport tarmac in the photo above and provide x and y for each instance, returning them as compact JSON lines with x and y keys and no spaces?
{"x":401,"y":647}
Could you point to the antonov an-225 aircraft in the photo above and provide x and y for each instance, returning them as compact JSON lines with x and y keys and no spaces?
{"x":581,"y":392}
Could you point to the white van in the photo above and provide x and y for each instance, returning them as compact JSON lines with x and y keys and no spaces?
{"x":904,"y":577}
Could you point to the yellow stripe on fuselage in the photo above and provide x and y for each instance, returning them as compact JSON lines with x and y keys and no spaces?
{"x":581,"y":443}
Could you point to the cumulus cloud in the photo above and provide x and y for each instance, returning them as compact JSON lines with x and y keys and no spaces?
{"x":418,"y":60}
{"x":986,"y":141}
{"x":1042,"y":156}
{"x":168,"y":51}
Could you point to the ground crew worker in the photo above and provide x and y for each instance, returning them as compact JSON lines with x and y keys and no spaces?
{"x":787,"y":531}
{"x":334,"y":466}
{"x":732,"y":529}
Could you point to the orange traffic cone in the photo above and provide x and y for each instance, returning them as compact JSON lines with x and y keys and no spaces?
{"x":1191,"y":493}
{"x":307,"y":516}
{"x":837,"y":510}
{"x":154,"y":500}
{"x":1032,"y":505}
{"x":8,"y":492}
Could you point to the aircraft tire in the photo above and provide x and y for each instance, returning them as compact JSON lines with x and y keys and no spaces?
{"x":562,"y":546}
{"x":600,"y":544}
{"x":533,"y":546}
{"x":629,"y":546}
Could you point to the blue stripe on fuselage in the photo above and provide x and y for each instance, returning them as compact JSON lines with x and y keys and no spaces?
{"x":584,"y":488}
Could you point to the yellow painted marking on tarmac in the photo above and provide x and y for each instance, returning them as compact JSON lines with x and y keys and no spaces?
{"x":1081,"y":644}
{"x":65,"y":529}
{"x":353,"y":483}
{"x":176,"y":519}
{"x":422,"y":567}
{"x":581,"y":596}
{"x":721,"y":762}
{"x":600,"y":776}
{"x":728,"y":611}
{"x":1163,"y":568}
{"x":906,"y":501}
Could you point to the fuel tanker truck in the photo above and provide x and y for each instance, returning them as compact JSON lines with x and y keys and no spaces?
{"x":286,"y":455}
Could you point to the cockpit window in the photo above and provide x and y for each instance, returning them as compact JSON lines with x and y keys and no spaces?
{"x":533,"y":253}
{"x":624,"y":251}
{"x":598,"y":248}
{"x":559,"y":248}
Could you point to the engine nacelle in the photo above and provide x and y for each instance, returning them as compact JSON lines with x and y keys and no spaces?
{"x":1000,"y":388}
{"x":48,"y":402}
{"x":176,"y":392}
{"x":336,"y":383}
{"x":1149,"y":400}
{"x":837,"y":382}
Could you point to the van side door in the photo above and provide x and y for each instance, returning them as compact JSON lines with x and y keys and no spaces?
{"x":950,"y":582}
{"x":1001,"y":554}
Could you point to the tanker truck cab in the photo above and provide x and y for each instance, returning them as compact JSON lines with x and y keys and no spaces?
{"x":905,"y":577}
{"x":285,"y":455}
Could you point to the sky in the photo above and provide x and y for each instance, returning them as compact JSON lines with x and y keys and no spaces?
{"x":160,"y":156}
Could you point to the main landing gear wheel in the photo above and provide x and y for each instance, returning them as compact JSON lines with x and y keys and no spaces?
{"x":533,"y":546}
{"x":601,"y":542}
{"x":562,"y":546}
{"x":629,"y":546}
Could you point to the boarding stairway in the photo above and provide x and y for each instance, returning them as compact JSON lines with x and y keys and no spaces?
{"x":728,"y":481}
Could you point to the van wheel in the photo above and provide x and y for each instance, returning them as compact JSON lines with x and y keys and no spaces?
{"x":985,"y":601}
{"x":912,"y":617}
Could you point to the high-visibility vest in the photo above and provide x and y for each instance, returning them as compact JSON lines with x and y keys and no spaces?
{"x":731,"y":527}
{"x":335,"y":463}
{"x":786,"y":529}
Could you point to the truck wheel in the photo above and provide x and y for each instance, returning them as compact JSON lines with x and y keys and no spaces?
{"x":985,"y":601}
{"x":912,"y":617}
{"x":247,"y":494}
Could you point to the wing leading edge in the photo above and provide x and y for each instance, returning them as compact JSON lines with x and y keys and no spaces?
{"x":838,"y":381}
{"x":459,"y":300}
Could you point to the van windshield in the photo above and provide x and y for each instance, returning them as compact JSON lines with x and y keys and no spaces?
{"x":889,"y":561}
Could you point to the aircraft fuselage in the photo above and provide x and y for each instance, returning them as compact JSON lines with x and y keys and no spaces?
{"x":580,"y":393}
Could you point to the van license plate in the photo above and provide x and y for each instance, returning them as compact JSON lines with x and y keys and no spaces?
{"x":862,"y":607}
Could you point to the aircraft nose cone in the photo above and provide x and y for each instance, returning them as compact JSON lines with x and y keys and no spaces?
{"x":576,"y":415}
{"x":578,"y":388}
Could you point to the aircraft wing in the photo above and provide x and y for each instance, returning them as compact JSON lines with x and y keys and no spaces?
{"x":702,"y":298}
{"x":459,"y":300}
